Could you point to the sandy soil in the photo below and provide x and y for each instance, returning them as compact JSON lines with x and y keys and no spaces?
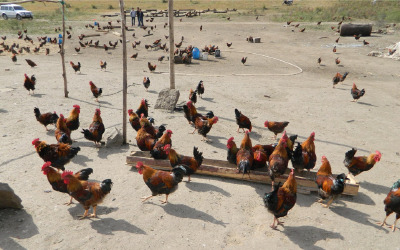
{"x":208,"y":213}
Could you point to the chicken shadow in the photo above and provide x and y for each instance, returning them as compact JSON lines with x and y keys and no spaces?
{"x":97,"y":105}
{"x":361,"y":198}
{"x":77,"y":210}
{"x":3,"y":111}
{"x":153,"y":91}
{"x":215,"y":141}
{"x":38,"y":95}
{"x":184,"y":211}
{"x":104,"y":152}
{"x":81,"y":160}
{"x":205,"y":187}
{"x":367,"y":104}
{"x":207,"y":99}
{"x":356,"y":216}
{"x":12,"y":223}
{"x":374,"y":188}
{"x":106,"y":103}
{"x":109,"y":225}
{"x":306,"y":236}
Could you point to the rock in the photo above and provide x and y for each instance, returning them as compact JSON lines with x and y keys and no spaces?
{"x":167,"y":99}
{"x":8,"y":199}
{"x":375,"y":53}
{"x":113,"y":138}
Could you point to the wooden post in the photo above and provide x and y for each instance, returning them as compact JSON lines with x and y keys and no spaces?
{"x":124,"y":70}
{"x":64,"y":74}
{"x":171,"y":44}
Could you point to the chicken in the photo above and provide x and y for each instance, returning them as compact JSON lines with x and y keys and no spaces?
{"x":229,"y":45}
{"x":160,"y":182}
{"x":191,"y":113}
{"x":193,"y":96}
{"x":62,"y":133}
{"x":30,"y":63}
{"x":337,"y":40}
{"x":392,"y":204}
{"x":204,"y":126}
{"x":77,"y":49}
{"x":143,"y":108}
{"x":58,"y":154}
{"x":343,"y":77}
{"x":356,"y":93}
{"x":242,"y":121}
{"x":96,"y":129}
{"x":245,"y":155}
{"x":134,"y":120}
{"x":200,"y":89}
{"x":134,"y":55}
{"x":147,"y":124}
{"x":151,"y":67}
{"x":95,"y":91}
{"x":304,"y":156}
{"x":260,"y":159}
{"x":302,"y":30}
{"x":76,"y":67}
{"x":29,"y":83}
{"x":365,"y":42}
{"x":72,"y":120}
{"x":334,"y":49}
{"x":105,"y":47}
{"x":54,"y":178}
{"x":337,"y":61}
{"x":275,"y":127}
{"x":281,"y":199}
{"x":161,"y":58}
{"x":144,"y":140}
{"x":201,"y":27}
{"x":46,"y":118}
{"x":319,"y":61}
{"x":359,"y":164}
{"x":146,"y":83}
{"x":336,"y":79}
{"x":86,"y":193}
{"x":103,"y":65}
{"x":328,"y":186}
{"x":244,"y":59}
{"x":14,"y":58}
{"x":232,"y":151}
{"x":47,"y":51}
{"x":158,"y":151}
{"x":278,"y":160}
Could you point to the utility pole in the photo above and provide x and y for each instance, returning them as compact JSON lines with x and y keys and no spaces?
{"x":64,"y":74}
{"x":124,"y":70}
{"x":171,"y":44}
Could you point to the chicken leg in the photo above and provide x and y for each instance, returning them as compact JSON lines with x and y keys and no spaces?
{"x":383,"y":223}
{"x":166,"y":200}
{"x":393,"y":227}
{"x":327,"y":204}
{"x":146,"y":198}
{"x":84,"y":215}
{"x":69,"y":203}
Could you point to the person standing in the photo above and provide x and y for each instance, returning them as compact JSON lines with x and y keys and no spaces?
{"x":133,"y":15}
{"x":141,"y":17}
{"x":138,"y":16}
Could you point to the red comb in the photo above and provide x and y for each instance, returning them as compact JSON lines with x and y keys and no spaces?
{"x":90,"y":82}
{"x":266,"y":124}
{"x":168,"y":146}
{"x":139,"y":164}
{"x":61,"y":115}
{"x":230,"y":139}
{"x":46,"y":164}
{"x":142,"y":115}
{"x":76,"y":106}
{"x":130,"y":111}
{"x":169,"y":131}
{"x":66,"y":173}
{"x":34,"y":141}
{"x":215,"y":119}
{"x":98,"y":111}
{"x":312,"y":134}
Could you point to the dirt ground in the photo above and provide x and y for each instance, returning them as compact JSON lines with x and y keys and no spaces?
{"x":208,"y":213}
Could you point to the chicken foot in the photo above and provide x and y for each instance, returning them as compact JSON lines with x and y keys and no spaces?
{"x":69,"y":203}
{"x":327,"y":204}
{"x":393,"y":227}
{"x":166,"y":200}
{"x":383,"y":223}
{"x":146,"y":198}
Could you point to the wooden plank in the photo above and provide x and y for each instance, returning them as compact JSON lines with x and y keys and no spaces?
{"x":108,"y":15}
{"x":90,"y":35}
{"x":225,"y":169}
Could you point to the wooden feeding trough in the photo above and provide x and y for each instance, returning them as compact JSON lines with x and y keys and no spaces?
{"x":305,"y":183}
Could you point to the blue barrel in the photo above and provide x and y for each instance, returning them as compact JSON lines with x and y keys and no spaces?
{"x":59,"y":41}
{"x":48,"y":39}
{"x":95,"y":23}
{"x":196,"y":53}
{"x":59,"y":36}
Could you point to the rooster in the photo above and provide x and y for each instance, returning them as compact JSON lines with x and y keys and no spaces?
{"x":201,"y":27}
{"x":95,"y":91}
{"x":96,"y":129}
{"x":302,"y":30}
{"x":328,"y":186}
{"x":365,"y":42}
{"x":337,"y":40}
{"x":244,"y":59}
{"x":86,"y":193}
{"x":54,"y":178}
{"x":336,"y":79}
{"x":146,"y":83}
{"x":30,"y":63}
{"x":158,"y":151}
{"x":260,"y":159}
{"x":77,"y":49}
{"x":193,"y":96}
{"x":29,"y":83}
{"x":151,"y":67}
{"x":304,"y":156}
{"x":356,"y":93}
{"x":143,"y":108}
{"x":47,"y":51}
{"x":72,"y":120}
{"x":191,"y":164}
{"x":144,"y":140}
{"x":392,"y":204}
{"x":58,"y":154}
{"x":160,"y":182}
{"x":281,"y":199}
{"x":161,"y":58}
{"x":14,"y":58}
{"x":242,"y":121}
{"x":62,"y":132}
{"x":103,"y":66}
{"x":134,"y":120}
{"x":319,"y":61}
{"x":229,"y":45}
{"x":191,"y":113}
{"x":245,"y":155}
{"x":359,"y":164}
{"x":337,"y":61}
{"x":204,"y":126}
{"x":134,"y":55}
{"x":105,"y":47}
{"x":76,"y":67}
{"x":278,"y":160}
{"x":276,"y":127}
{"x":200,"y":89}
{"x":147,"y":124}
{"x":232,"y":151}
{"x":46,"y":118}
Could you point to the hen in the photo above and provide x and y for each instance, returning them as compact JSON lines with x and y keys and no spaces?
{"x":29,"y":83}
{"x":134,"y":120}
{"x":328,"y":186}
{"x":245,"y":155}
{"x":392,"y":204}
{"x":200,"y":89}
{"x":281,"y":199}
{"x":191,"y":164}
{"x":160,"y":182}
{"x":359,"y":164}
{"x":72,"y":120}
{"x":54,"y":178}
{"x":158,"y":151}
{"x":204,"y":126}
{"x":96,"y":129}
{"x":58,"y":154}
{"x":76,"y":67}
{"x":46,"y":118}
{"x":86,"y":193}
{"x":275,"y":127}
{"x":278,"y":160}
{"x":95,"y":91}
{"x":62,"y":132}
{"x":304,"y":156}
{"x":356,"y":93}
{"x":242,"y":121}
{"x":146,"y":83}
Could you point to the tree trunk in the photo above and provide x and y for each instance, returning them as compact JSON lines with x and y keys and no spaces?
{"x":62,"y":52}
{"x":124,"y":70}
{"x":171,"y":44}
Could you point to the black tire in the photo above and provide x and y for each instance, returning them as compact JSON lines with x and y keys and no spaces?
{"x":5,"y":17}
{"x":19,"y":17}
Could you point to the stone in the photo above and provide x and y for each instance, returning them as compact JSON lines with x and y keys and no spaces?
{"x":167,"y":99}
{"x":113,"y":138}
{"x":8,"y":199}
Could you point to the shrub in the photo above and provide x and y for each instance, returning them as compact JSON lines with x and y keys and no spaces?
{"x":110,"y":7}
{"x":94,"y":6}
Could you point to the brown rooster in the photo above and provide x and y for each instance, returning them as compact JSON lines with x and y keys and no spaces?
{"x":151,"y":67}
{"x":245,"y":155}
{"x":95,"y":91}
{"x":46,"y":118}
{"x":96,"y":129}
{"x":278,"y":160}
{"x":276,"y":127}
{"x":29,"y":83}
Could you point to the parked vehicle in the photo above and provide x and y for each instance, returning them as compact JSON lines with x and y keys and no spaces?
{"x":14,"y":11}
